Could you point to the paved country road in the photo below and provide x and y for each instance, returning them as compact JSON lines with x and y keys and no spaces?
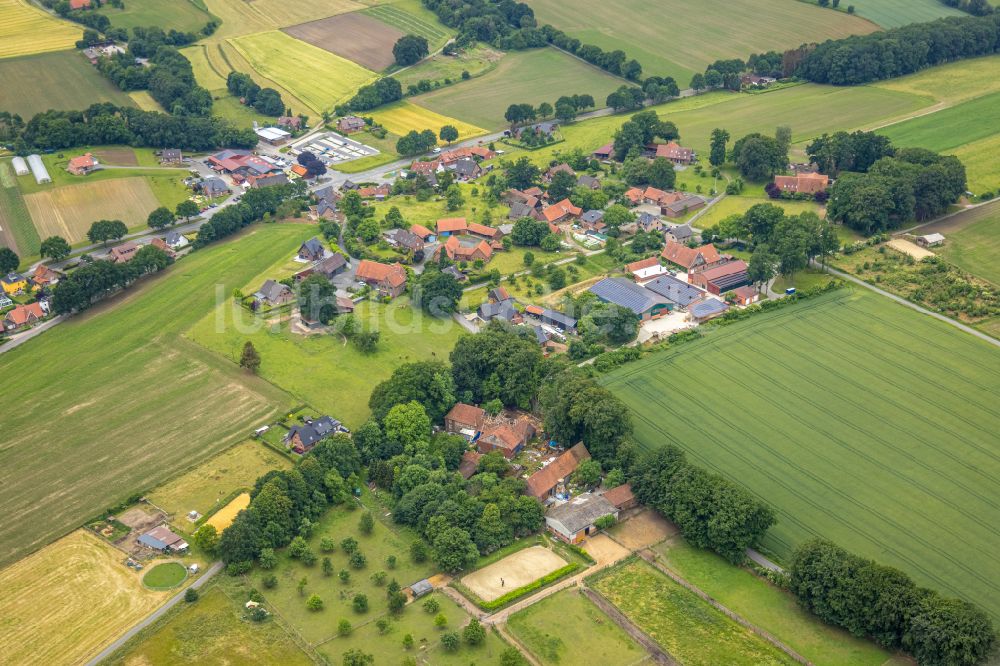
{"x":154,"y":616}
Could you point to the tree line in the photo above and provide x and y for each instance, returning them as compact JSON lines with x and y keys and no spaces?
{"x":96,"y":280}
{"x":870,"y":599}
{"x":168,"y":77}
{"x":974,"y":7}
{"x":105,"y":123}
{"x":255,"y":204}
{"x":266,"y":101}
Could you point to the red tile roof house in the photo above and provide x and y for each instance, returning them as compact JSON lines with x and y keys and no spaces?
{"x":543,"y":483}
{"x":349,"y":124}
{"x":561,"y":211}
{"x":690,"y":259}
{"x":161,"y":244}
{"x":389,"y":279}
{"x":451,"y":225}
{"x":676,"y":153}
{"x":745,"y":295}
{"x":722,"y":278}
{"x":378,"y":193}
{"x":457,"y":250}
{"x":559,"y":168}
{"x":464,"y":419}
{"x":604,"y":152}
{"x":23,"y":315}
{"x":469,"y":465}
{"x":82,"y":165}
{"x":489,"y":233}
{"x":425,"y":234}
{"x":634,"y":196}
{"x":622,"y":497}
{"x":507,"y":438}
{"x":43,"y":276}
{"x":806,"y":183}
{"x":79,"y":4}
{"x":123,"y":253}
{"x":646,"y":269}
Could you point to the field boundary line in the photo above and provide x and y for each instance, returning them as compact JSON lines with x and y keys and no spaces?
{"x":501,"y":628}
{"x":656,"y":651}
{"x":650,"y":557}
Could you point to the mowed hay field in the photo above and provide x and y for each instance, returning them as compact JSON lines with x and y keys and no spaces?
{"x":25,"y":29}
{"x":952,"y":83}
{"x":64,"y":603}
{"x":949,"y":128}
{"x":972,"y":240}
{"x":412,"y":18}
{"x":69,"y":211}
{"x":208,"y":75}
{"x":539,"y":75}
{"x":203,"y":488}
{"x":240,"y":17}
{"x":317,"y":77}
{"x":355,"y":36}
{"x":62,"y":80}
{"x":402,"y":117}
{"x":857,"y":419}
{"x":116,"y":402}
{"x":182,"y":15}
{"x":896,"y":13}
{"x":677,"y":38}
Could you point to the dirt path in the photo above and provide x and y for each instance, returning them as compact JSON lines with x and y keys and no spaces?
{"x":659,"y":655}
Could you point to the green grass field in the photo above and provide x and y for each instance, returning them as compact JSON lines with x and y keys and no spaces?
{"x":212,"y":631}
{"x":857,"y":419}
{"x":949,"y":128}
{"x":165,"y":576}
{"x":567,"y":628}
{"x":61,"y":80}
{"x":116,"y":402}
{"x":540,"y":75}
{"x":412,"y":18}
{"x":896,"y":13}
{"x":317,"y":77}
{"x":974,"y":244}
{"x":18,"y":231}
{"x":26,"y":29}
{"x":669,"y":38}
{"x":981,"y":164}
{"x":693,"y":632}
{"x":207,"y":73}
{"x":952,"y":83}
{"x":476,"y":60}
{"x":768,"y":607}
{"x":182,"y":15}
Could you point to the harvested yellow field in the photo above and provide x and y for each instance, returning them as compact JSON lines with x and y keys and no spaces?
{"x":25,"y":30}
{"x":65,"y":602}
{"x":145,"y":101}
{"x":242,"y":17}
{"x":224,"y":517}
{"x":317,"y":77}
{"x":952,"y":83}
{"x":401,"y":117}
{"x":204,"y":71}
{"x":70,"y":210}
{"x":204,"y":487}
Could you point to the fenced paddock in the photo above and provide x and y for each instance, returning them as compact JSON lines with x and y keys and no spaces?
{"x":516,"y":570}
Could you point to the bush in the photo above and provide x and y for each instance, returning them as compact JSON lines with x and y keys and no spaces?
{"x":344,"y":627}
{"x":191,"y":595}
{"x":390,"y":562}
{"x":474,"y":634}
{"x":450,"y":641}
{"x":366,"y":525}
{"x":378,"y":578}
{"x":431,"y":606}
{"x":327,"y":545}
{"x":360,"y":603}
{"x":440,"y":621}
{"x":270,"y":581}
{"x":418,"y":551}
{"x":383,"y":625}
{"x":314,"y":603}
{"x":239,"y":568}
{"x":349,"y":545}
{"x":517,"y":593}
{"x":358,"y":560}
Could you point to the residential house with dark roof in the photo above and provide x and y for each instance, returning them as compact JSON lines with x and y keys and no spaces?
{"x":720,"y":279}
{"x":627,"y":294}
{"x":680,"y":233}
{"x":269,"y":180}
{"x":465,"y":169}
{"x":13,"y":283}
{"x":302,"y":438}
{"x":171,"y":157}
{"x":593,"y":219}
{"x":213,"y":187}
{"x":683,"y":206}
{"x":648,"y":222}
{"x":326,"y":209}
{"x":511,"y":197}
{"x":312,"y":250}
{"x":574,"y":521}
{"x":689,"y":258}
{"x":404,"y":240}
{"x":273,"y":294}
{"x":464,"y":419}
{"x":705,"y":309}
{"x":328,"y":267}
{"x":550,"y":479}
{"x":455,"y":273}
{"x":519,"y":210}
{"x":588,"y":181}
{"x":678,"y":292}
{"x":176,"y":240}
{"x":388,"y":279}
{"x":504,"y":310}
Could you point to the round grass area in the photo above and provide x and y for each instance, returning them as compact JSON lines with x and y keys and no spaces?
{"x":165,"y":576}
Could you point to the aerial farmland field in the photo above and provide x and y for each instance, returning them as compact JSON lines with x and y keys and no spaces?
{"x":355,"y":36}
{"x":181,"y":15}
{"x":319,"y":78}
{"x":673,"y":38}
{"x":972,"y":240}
{"x":412,"y":18}
{"x":541,"y":75}
{"x":25,"y":29}
{"x":402,"y":117}
{"x":857,"y":419}
{"x":949,"y":128}
{"x":61,"y":80}
{"x":16,"y":229}
{"x":141,"y":405}
{"x":895,"y":13}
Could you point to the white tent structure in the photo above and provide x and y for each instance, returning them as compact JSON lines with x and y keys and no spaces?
{"x":20,"y":166}
{"x":38,"y":169}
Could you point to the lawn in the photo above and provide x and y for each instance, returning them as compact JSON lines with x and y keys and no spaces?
{"x":25,"y":29}
{"x":829,"y":429}
{"x":16,"y":228}
{"x":525,"y":288}
{"x":737,"y":205}
{"x":205,"y":487}
{"x":427,"y":213}
{"x":165,"y":576}
{"x":61,"y":80}
{"x":767,"y":607}
{"x":229,"y":107}
{"x":803,"y":279}
{"x":103,"y":405}
{"x":693,"y":632}
{"x":539,"y":75}
{"x":317,"y":77}
{"x":567,"y":628}
{"x":670,"y":39}
{"x":402,"y":117}
{"x":951,"y":127}
{"x":896,"y":13}
{"x":212,"y":631}
{"x":181,"y":15}
{"x":476,"y":60}
{"x":64,"y":603}
{"x":972,"y":240}
{"x":413,"y":18}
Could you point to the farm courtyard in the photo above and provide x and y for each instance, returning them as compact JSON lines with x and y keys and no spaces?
{"x":846,"y":415}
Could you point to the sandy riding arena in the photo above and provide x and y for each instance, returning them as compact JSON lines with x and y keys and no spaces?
{"x":514,"y":571}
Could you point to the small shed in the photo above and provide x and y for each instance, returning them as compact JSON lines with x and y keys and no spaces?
{"x":930,"y":240}
{"x":421,"y":588}
{"x":20,"y":166}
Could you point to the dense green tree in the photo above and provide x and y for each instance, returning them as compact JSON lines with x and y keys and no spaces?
{"x":474,"y":633}
{"x":448,"y":133}
{"x":588,"y":473}
{"x":522,"y":174}
{"x":186,"y":209}
{"x":717,"y":154}
{"x":561,"y":185}
{"x":53,"y":247}
{"x":408,"y":425}
{"x":410,"y":49}
{"x":317,"y":299}
{"x":454,"y":550}
{"x":249,"y":358}
{"x":576,"y":409}
{"x":759,"y":157}
{"x":661,"y":174}
{"x":437,"y":293}
{"x":529,"y":232}
{"x":428,"y":382}
{"x":492,"y":532}
{"x":103,"y":231}
{"x":497,"y":362}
